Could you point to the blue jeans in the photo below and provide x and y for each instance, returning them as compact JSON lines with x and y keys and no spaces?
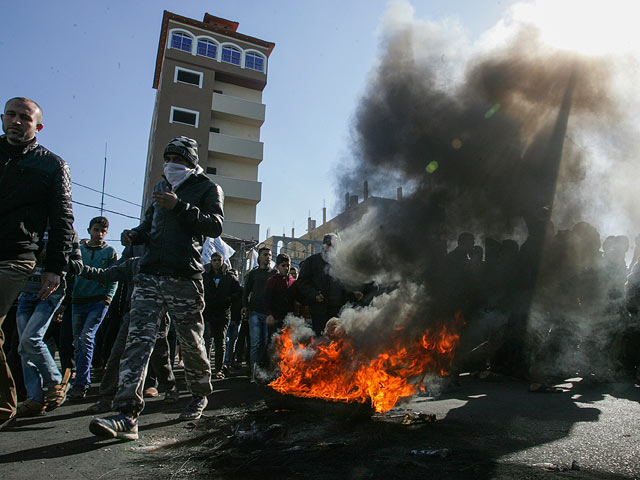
{"x":86,"y":320}
{"x":232,"y":338}
{"x":32,"y":320}
{"x":259,"y":335}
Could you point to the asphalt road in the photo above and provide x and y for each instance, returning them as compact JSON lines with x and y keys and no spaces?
{"x":483,"y":429}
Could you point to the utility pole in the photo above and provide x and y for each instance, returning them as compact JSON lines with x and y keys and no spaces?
{"x":104,"y":176}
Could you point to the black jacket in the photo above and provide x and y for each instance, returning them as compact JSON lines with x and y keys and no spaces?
{"x":174,"y":238}
{"x":120,"y":272}
{"x":314,"y":279}
{"x":219,"y":296}
{"x":35,"y":188}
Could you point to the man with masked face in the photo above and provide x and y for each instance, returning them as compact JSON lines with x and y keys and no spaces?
{"x":186,"y":208}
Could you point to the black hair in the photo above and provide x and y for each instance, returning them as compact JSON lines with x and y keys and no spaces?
{"x":282,"y":257}
{"x":102,"y":221}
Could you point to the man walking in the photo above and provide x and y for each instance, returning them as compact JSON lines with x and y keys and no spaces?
{"x":253,"y":305}
{"x":186,"y":208}
{"x":221,"y":291}
{"x":35,"y":189}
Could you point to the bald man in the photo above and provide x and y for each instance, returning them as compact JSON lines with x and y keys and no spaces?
{"x":35,"y":192}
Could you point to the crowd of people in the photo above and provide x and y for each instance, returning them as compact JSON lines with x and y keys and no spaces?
{"x":160,"y":302}
{"x":134,"y":318}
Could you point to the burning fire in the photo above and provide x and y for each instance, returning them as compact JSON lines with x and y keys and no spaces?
{"x":334,"y":370}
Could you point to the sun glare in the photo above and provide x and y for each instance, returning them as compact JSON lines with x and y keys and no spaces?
{"x":590,"y":27}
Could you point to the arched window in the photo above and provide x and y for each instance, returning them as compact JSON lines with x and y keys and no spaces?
{"x":254,"y":61}
{"x":181,"y":41}
{"x":207,"y":48}
{"x":231,"y":55}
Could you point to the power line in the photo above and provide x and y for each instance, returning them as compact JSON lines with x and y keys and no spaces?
{"x":106,"y":194}
{"x":104,"y":209}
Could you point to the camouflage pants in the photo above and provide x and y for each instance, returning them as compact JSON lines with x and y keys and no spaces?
{"x":154,"y":296}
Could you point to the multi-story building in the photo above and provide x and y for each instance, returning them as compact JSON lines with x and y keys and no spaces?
{"x":209,"y":80}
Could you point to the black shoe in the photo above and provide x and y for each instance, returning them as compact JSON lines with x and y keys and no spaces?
{"x":193,"y":410}
{"x":78,"y":393}
{"x":115,"y":426}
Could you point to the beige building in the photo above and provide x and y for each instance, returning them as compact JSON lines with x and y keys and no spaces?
{"x":209,"y":80}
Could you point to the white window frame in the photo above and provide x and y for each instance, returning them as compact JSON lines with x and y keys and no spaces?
{"x":213,"y":40}
{"x":255,"y":52}
{"x":175,"y":76}
{"x":186,"y":110}
{"x":236,"y":47}
{"x":186,"y":32}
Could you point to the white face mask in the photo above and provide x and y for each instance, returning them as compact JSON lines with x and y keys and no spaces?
{"x":176,"y":173}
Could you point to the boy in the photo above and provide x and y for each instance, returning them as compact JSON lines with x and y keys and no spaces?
{"x":90,"y":303}
{"x":278,"y":298}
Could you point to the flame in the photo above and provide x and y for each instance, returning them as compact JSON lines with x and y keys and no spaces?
{"x":334,"y":370}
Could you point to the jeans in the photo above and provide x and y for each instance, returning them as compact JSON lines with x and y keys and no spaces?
{"x":232,"y":337}
{"x":85,"y":322}
{"x":32,"y":320}
{"x":259,"y":335}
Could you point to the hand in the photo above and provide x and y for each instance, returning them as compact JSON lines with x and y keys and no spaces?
{"x":57,"y":316}
{"x":319,"y":298}
{"x":243,"y":312}
{"x":270,"y":321}
{"x":128,"y":237}
{"x":166,"y":200}
{"x":50,"y":282}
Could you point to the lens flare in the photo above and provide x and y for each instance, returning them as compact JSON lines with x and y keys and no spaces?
{"x":432,"y":167}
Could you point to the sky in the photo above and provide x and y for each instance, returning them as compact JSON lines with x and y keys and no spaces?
{"x":90,"y":65}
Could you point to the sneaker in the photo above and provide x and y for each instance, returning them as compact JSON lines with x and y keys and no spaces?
{"x":55,"y":396}
{"x":115,"y":426}
{"x":193,"y":410}
{"x":30,"y":408}
{"x":150,"y":392}
{"x":101,"y":406}
{"x":78,"y":393}
{"x":172,"y":396}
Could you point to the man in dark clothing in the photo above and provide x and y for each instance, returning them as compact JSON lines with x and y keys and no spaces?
{"x":186,"y":208}
{"x":221,"y":290}
{"x":278,"y":295}
{"x":35,"y":190}
{"x":253,"y":303}
{"x":324,"y":294}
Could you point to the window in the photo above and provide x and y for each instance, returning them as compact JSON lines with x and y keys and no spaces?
{"x":181,"y":41}
{"x":182,"y":115}
{"x":231,"y":55}
{"x":188,"y":76}
{"x":254,"y":62}
{"x":207,"y":48}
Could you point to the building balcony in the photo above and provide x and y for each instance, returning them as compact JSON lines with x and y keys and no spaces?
{"x":246,"y":231}
{"x":241,"y":189}
{"x":238,"y":109}
{"x":235,"y":147}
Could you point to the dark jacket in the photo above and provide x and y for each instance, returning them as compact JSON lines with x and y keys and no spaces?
{"x":314,"y":279}
{"x":254,"y":283}
{"x":279,"y":296}
{"x":174,"y":238}
{"x":221,"y":290}
{"x":74,"y":267}
{"x":35,"y":189}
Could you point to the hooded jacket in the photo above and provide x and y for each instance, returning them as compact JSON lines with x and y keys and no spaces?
{"x":174,"y":238}
{"x":35,"y":188}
